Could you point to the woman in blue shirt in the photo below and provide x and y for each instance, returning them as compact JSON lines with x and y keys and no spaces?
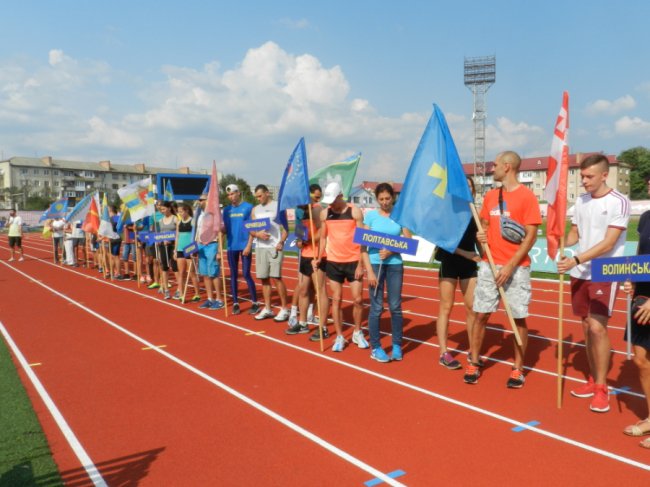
{"x":385,"y":269}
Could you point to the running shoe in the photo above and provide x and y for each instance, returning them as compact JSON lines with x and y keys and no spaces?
{"x":339,"y":344}
{"x":196,"y":298}
{"x":472,"y":373}
{"x":600,"y":401}
{"x":446,"y":360}
{"x":177,"y":295}
{"x":143,"y":279}
{"x":315,"y":337}
{"x":379,"y":355}
{"x":153,"y":285}
{"x":255,"y":308}
{"x":167,"y":295}
{"x":216,"y":304}
{"x":359,"y":339}
{"x":283,"y":315}
{"x":397,"y":353}
{"x":264,"y":314}
{"x":235,"y":309}
{"x":312,"y":320}
{"x":22,"y":259}
{"x":516,"y":379}
{"x":297,"y":328}
{"x":207,"y":304}
{"x":293,"y":321}
{"x":584,"y":390}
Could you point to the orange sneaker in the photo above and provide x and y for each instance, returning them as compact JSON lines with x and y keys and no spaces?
{"x":584,"y":390}
{"x":600,"y":401}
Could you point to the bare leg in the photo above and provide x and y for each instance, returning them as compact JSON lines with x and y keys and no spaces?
{"x":599,"y":346}
{"x":476,"y":343}
{"x":447,"y":290}
{"x":336,"y":289}
{"x":467,"y":288}
{"x":357,"y":303}
{"x":520,"y":352}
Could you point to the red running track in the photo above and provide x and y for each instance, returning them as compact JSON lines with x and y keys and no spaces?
{"x":166,"y":416}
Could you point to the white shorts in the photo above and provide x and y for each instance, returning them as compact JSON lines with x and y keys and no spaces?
{"x":517,"y":288}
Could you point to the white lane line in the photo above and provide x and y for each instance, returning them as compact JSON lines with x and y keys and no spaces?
{"x":69,"y":435}
{"x":450,"y":400}
{"x":263,"y":409}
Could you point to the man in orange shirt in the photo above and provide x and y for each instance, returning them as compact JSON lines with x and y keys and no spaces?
{"x":512,"y":206}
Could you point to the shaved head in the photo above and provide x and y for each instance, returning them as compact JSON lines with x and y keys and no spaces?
{"x":512,"y":158}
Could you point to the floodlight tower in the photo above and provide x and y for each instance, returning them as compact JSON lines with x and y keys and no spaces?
{"x":480,"y":74}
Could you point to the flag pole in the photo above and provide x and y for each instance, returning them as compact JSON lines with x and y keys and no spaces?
{"x":138,"y":262}
{"x":187,"y":279}
{"x":560,"y":332}
{"x":502,"y":293}
{"x":318,"y":298}
{"x":223,"y":275}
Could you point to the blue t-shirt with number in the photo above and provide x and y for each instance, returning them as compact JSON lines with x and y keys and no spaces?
{"x":383,"y":224}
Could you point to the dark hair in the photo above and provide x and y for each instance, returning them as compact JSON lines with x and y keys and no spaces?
{"x":113,"y":208}
{"x":384,"y":188}
{"x":187,"y":208}
{"x":594,"y":159}
{"x":168,"y":204}
{"x":261,"y":187}
{"x":315,"y":187}
{"x":471,"y":183}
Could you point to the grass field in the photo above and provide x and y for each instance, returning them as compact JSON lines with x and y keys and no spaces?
{"x":25,"y":457}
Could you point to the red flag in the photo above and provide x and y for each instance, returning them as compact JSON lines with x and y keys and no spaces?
{"x":91,"y":223}
{"x":211,"y":223}
{"x":556,"y":180}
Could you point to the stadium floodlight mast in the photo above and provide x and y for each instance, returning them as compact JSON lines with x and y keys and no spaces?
{"x":480,"y":74}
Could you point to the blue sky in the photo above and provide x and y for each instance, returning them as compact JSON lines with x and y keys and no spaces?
{"x":183,"y":83}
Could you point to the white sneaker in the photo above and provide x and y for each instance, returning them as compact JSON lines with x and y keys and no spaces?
{"x":21,"y":259}
{"x":359,"y":339}
{"x":293,"y":321}
{"x":264,"y":314}
{"x":312,"y":320}
{"x":283,"y":315}
{"x":339,"y":344}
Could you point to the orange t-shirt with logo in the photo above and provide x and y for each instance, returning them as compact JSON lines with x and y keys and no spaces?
{"x":521,"y":206}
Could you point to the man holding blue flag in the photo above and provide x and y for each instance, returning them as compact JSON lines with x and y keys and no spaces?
{"x":511,"y":214}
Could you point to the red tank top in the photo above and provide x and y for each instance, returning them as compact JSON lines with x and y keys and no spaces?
{"x":340,"y":233}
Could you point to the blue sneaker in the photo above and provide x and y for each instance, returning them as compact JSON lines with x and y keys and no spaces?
{"x":339,"y":344}
{"x":205,"y":304}
{"x":216,"y":304}
{"x":379,"y":355}
{"x":397,"y":352}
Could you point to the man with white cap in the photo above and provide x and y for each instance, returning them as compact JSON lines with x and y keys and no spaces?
{"x":338,"y":223}
{"x":234,"y":216}
{"x":268,"y":254}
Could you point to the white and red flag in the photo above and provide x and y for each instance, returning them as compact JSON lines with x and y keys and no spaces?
{"x":556,"y":180}
{"x":211,"y":224}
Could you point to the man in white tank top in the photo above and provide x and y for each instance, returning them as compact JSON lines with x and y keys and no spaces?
{"x":268,"y":254}
{"x":599,"y":228}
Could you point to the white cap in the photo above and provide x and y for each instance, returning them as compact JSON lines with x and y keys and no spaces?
{"x":232,"y":188}
{"x":332,"y":191}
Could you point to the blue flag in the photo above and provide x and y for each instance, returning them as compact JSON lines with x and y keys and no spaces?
{"x":294,"y":190}
{"x":434,"y":202}
{"x":169,"y":192}
{"x":58,"y":209}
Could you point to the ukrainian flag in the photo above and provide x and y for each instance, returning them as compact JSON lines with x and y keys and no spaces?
{"x":434,"y":202}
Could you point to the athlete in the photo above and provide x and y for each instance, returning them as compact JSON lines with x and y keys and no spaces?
{"x":15,"y":235}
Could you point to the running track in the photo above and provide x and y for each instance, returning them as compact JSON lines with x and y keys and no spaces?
{"x":150,"y":392}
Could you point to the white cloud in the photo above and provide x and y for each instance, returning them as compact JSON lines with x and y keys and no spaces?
{"x":632,"y":126}
{"x":614,"y":107}
{"x":297,"y":24}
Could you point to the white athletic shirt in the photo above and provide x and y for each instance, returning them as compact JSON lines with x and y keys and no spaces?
{"x":594,"y":216}
{"x":57,"y":228}
{"x":15,"y":226}
{"x":270,"y":210}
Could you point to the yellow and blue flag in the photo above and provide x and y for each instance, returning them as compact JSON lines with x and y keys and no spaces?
{"x":58,"y":209}
{"x":434,"y":202}
{"x":169,"y":192}
{"x":138,"y":198}
{"x":294,"y":190}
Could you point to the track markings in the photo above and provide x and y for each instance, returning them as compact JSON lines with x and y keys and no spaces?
{"x":154,"y":347}
{"x":619,"y":390}
{"x":524,"y":427}
{"x":392,"y":475}
{"x":255,"y":333}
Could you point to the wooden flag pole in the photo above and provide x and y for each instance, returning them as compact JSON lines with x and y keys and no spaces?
{"x":138,"y":262}
{"x":223,"y":276}
{"x":560,"y":332}
{"x":187,"y":279}
{"x":502,"y":293}
{"x":312,"y":229}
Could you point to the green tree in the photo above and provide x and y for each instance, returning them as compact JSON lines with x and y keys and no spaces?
{"x":244,"y":189}
{"x":639,"y":160}
{"x":37,"y":202}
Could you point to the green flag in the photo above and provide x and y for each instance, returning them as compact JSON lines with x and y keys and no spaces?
{"x":342,"y":172}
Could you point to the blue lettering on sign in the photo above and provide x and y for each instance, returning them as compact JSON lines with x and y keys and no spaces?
{"x":190,"y":249}
{"x":379,"y":240}
{"x":634,"y":268}
{"x":257,"y":225}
